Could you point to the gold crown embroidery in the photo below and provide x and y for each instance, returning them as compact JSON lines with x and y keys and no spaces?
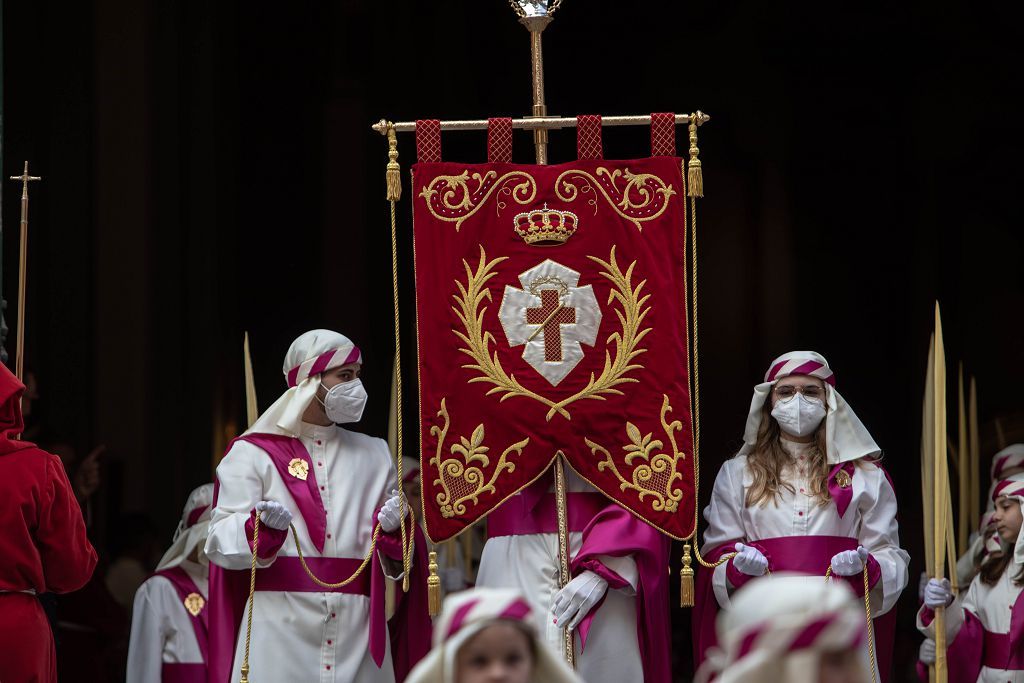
{"x":545,"y":227}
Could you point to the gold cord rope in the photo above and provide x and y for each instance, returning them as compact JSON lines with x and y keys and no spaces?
{"x":393,"y":197}
{"x":309,"y":572}
{"x":867,"y":613}
{"x":252,"y":591}
{"x":321,"y":582}
{"x":695,"y":376}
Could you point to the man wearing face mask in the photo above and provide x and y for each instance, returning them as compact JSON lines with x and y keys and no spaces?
{"x":299,"y":468}
{"x":805,"y":494}
{"x":169,"y":618}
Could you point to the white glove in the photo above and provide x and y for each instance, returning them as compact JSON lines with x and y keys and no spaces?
{"x":388,"y":516}
{"x":274,"y":514}
{"x":750,"y":560}
{"x":579,"y":596}
{"x":927,"y":652}
{"x":849,"y":562}
{"x":938,"y":593}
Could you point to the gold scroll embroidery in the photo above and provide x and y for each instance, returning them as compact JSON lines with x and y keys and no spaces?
{"x":642,"y":198}
{"x":462,"y":478}
{"x":450,"y":198}
{"x":656,"y":477}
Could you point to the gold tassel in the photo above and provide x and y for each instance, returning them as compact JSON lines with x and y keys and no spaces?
{"x":433,"y":586}
{"x":694,"y":175}
{"x":686,"y":579}
{"x":394,"y":172}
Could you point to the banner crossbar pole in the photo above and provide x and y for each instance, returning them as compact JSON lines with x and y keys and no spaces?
{"x":539,"y":123}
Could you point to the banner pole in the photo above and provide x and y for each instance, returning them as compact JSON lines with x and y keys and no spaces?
{"x":563,"y":548}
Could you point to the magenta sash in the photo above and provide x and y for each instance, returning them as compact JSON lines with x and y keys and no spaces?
{"x":519,"y":515}
{"x":177,"y":672}
{"x":999,"y":652}
{"x":287,"y":574}
{"x":282,"y":450}
{"x":185,"y":586}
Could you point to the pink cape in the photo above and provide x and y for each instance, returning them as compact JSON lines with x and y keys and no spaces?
{"x":229,"y":589}
{"x":615,"y":531}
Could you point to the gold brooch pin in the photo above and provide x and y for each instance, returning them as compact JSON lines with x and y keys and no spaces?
{"x":194,"y":603}
{"x":843,"y":479}
{"x":298,"y":468}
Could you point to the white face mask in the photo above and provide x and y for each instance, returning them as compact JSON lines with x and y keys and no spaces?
{"x":799,"y":416}
{"x":344,"y":402}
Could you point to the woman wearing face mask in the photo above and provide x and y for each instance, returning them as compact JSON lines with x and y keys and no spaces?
{"x":985,"y":623}
{"x":170,"y":615}
{"x":297,"y":466}
{"x":805,"y":494}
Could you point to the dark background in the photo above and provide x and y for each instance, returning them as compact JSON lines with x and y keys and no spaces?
{"x":209,"y":168}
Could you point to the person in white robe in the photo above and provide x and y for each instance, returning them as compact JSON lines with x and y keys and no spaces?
{"x":332,"y":486}
{"x":985,"y":623}
{"x":785,"y":629}
{"x":805,"y":493}
{"x":612,"y":555}
{"x":169,"y":617}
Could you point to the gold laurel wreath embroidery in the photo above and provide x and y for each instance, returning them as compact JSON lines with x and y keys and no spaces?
{"x":631,"y":312}
{"x":455,"y":194}
{"x":655,"y":478}
{"x":636,"y":183}
{"x":461,"y":479}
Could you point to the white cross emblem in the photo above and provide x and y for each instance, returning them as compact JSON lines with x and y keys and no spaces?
{"x":552,"y":317}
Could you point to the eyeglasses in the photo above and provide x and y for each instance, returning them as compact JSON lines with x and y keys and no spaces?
{"x":810,"y":391}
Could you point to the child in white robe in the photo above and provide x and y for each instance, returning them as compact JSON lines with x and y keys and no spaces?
{"x":985,"y":623}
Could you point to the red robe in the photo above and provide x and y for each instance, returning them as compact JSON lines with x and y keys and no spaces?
{"x":43,"y":546}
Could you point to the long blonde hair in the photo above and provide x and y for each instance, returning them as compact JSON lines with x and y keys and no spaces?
{"x":768,"y":458}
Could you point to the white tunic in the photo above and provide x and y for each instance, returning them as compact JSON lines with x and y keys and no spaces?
{"x":162,"y":629}
{"x":299,"y":636}
{"x":870,"y":518}
{"x":529,"y":563}
{"x":993,"y":606}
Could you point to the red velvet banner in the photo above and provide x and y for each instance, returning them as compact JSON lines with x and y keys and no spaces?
{"x":551,"y":318}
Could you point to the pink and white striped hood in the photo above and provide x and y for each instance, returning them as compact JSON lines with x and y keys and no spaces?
{"x":779,"y":626}
{"x":846,"y":436}
{"x":309,"y":356}
{"x":1013,"y":487}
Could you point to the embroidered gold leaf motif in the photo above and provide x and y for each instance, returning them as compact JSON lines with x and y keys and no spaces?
{"x":631,"y":310}
{"x":450,"y":198}
{"x":298,"y":468}
{"x":194,"y":603}
{"x":643,"y":196}
{"x":656,"y":478}
{"x":462,"y":478}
